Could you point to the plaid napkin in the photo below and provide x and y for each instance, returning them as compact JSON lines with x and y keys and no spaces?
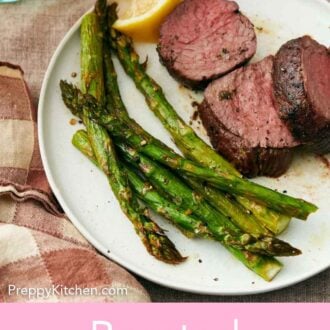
{"x":39,"y":247}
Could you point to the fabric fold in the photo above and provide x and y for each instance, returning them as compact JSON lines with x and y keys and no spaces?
{"x":40,"y":250}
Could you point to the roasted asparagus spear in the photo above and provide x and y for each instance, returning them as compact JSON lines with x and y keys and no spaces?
{"x":219,"y":227}
{"x":299,"y":208}
{"x":151,"y":235}
{"x":264,"y":266}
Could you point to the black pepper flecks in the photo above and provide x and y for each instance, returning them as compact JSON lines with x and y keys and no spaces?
{"x":195,"y":104}
{"x":194,"y":116}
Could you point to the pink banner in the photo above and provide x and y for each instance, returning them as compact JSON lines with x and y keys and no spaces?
{"x":166,"y":317}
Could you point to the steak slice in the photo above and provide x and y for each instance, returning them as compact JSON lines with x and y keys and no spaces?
{"x":242,"y":121}
{"x":302,"y":91}
{"x":202,"y":40}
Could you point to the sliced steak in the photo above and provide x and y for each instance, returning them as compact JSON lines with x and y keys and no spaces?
{"x":242,"y":121}
{"x":202,"y":40}
{"x":302,"y":91}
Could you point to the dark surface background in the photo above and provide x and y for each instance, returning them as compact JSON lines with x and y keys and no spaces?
{"x":316,"y":289}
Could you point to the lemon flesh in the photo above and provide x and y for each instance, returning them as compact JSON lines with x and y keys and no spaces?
{"x":141,"y":19}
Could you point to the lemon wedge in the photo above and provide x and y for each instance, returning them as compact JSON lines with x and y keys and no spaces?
{"x":141,"y":19}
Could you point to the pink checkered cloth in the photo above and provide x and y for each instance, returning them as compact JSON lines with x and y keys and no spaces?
{"x":39,"y":247}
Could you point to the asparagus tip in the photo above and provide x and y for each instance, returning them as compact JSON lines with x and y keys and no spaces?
{"x":163,"y":249}
{"x":280,"y":248}
{"x":100,"y":7}
{"x":112,"y":14}
{"x":69,"y":95}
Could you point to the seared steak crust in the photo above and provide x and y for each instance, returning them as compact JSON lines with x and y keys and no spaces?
{"x":302,"y":91}
{"x":202,"y":40}
{"x":321,"y":144}
{"x":250,"y":161}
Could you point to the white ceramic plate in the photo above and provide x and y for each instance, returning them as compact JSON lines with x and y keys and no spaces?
{"x":85,"y":196}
